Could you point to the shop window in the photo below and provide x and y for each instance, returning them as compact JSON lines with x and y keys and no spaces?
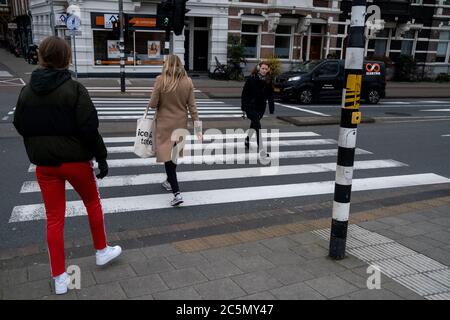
{"x":380,"y":47}
{"x":249,"y":37}
{"x":141,"y":48}
{"x":407,"y":43}
{"x":283,"y":42}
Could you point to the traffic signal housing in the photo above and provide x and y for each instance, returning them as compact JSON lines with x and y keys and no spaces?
{"x":164,"y":14}
{"x":171,"y":15}
{"x":179,"y":14}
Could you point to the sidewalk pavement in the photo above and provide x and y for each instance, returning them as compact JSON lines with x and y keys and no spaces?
{"x":215,"y":89}
{"x":409,"y":242}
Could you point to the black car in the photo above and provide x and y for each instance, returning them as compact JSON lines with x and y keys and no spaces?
{"x":316,"y":80}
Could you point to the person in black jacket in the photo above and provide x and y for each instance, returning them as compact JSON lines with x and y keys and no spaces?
{"x":258,"y":90}
{"x":59,"y":125}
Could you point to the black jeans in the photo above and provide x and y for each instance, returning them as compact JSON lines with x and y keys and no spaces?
{"x":255,"y":124}
{"x":171,"y":171}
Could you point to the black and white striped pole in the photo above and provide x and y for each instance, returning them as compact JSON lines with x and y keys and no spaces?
{"x":350,"y":118}
{"x":122,"y":47}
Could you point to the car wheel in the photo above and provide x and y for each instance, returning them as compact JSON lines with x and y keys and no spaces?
{"x":305,"y":96}
{"x":373,"y":97}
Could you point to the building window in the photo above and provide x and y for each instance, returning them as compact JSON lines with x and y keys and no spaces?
{"x":442,"y":46}
{"x":141,"y":48}
{"x":407,"y":43}
{"x":250,"y":36}
{"x":283,"y":42}
{"x":380,"y":47}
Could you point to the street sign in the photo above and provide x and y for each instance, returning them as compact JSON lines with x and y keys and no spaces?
{"x":73,"y":22}
{"x":71,"y":33}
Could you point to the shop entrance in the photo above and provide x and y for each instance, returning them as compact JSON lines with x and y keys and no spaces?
{"x":196,"y":44}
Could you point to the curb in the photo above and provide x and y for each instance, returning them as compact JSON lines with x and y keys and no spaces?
{"x":317,"y":121}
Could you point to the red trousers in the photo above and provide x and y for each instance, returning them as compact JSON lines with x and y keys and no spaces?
{"x":52,"y":183}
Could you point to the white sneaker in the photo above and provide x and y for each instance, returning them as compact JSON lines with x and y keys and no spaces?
{"x":166,"y":185}
{"x":104,"y":256}
{"x":61,"y":283}
{"x":177,"y":200}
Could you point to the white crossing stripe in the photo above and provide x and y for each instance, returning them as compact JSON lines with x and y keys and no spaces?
{"x":199,"y":146}
{"x":223,"y":158}
{"x":204,"y":116}
{"x":218,"y":196}
{"x":224,"y":136}
{"x":304,"y":110}
{"x":206,"y":175}
{"x":446,"y":135}
{"x":437,"y":110}
{"x":141,"y":112}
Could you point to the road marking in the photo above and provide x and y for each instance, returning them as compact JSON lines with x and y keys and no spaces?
{"x":432,"y":101}
{"x":146,"y":102}
{"x":231,"y":159}
{"x":232,"y":195}
{"x":233,"y":144}
{"x":395,"y":102}
{"x":225,"y":136}
{"x":5,"y":74}
{"x":446,"y":135}
{"x":143,"y":108}
{"x":304,"y":110}
{"x":5,"y":118}
{"x":141,"y":112}
{"x":206,"y":175}
{"x":137,"y":117}
{"x":437,"y":110}
{"x":12,"y":83}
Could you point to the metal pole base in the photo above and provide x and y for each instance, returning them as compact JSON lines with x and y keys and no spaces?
{"x":338,"y":239}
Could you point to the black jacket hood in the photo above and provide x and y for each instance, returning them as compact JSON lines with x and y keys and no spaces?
{"x":44,"y":81}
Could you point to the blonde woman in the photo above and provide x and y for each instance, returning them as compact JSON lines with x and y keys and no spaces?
{"x":173,"y":97}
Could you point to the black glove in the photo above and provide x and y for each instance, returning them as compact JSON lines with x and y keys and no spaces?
{"x":103,"y":167}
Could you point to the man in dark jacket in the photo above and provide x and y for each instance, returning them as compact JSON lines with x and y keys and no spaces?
{"x":59,"y":125}
{"x":258,"y":90}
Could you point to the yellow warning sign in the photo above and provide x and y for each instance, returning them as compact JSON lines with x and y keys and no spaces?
{"x":353,"y":91}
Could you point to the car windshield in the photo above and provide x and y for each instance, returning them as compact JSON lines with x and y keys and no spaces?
{"x":306,"y":66}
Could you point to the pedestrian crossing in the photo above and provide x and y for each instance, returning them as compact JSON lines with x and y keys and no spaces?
{"x":133,"y":108}
{"x":223,"y":179}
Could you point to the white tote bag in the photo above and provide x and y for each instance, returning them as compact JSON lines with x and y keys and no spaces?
{"x":144,"y":143}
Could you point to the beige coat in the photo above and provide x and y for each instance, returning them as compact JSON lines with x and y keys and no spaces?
{"x":171,"y":114}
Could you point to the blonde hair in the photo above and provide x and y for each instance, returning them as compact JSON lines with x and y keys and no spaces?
{"x":173,"y":71}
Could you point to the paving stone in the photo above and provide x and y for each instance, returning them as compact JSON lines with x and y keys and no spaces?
{"x":298,"y":291}
{"x":149,"y":297}
{"x":374,"y":294}
{"x":143,"y":286}
{"x":220,"y":254}
{"x":401,"y":291}
{"x":439,"y":255}
{"x":250,"y":249}
{"x":13,"y":277}
{"x":252,"y":263}
{"x":281,"y":258}
{"x":266,"y":295}
{"x":109,"y":291}
{"x":408,"y":231}
{"x":186,"y":260}
{"x":113,"y":273}
{"x":152,"y":265}
{"x":443,"y":222}
{"x":374,"y":225}
{"x":279,"y":244}
{"x":39,"y":272}
{"x":441,"y":236}
{"x":362,"y":271}
{"x":394,"y":221}
{"x":28,"y":290}
{"x":353,"y":278}
{"x":310,"y":251}
{"x":351,"y":262}
{"x":256,"y":281}
{"x":388,"y":233}
{"x":322,"y":267}
{"x":183,"y":278}
{"x":305,"y":238}
{"x":163,"y":250}
{"x":331,"y":286}
{"x":414,"y":217}
{"x":290,"y":274}
{"x":414,"y":244}
{"x":219,"y":270}
{"x":428,"y":226}
{"x":70,"y":295}
{"x":133,"y":255}
{"x":188,"y":293}
{"x":223,"y":289}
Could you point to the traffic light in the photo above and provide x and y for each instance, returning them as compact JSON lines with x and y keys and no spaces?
{"x":164,"y":14}
{"x":179,"y":13}
{"x":170,"y":15}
